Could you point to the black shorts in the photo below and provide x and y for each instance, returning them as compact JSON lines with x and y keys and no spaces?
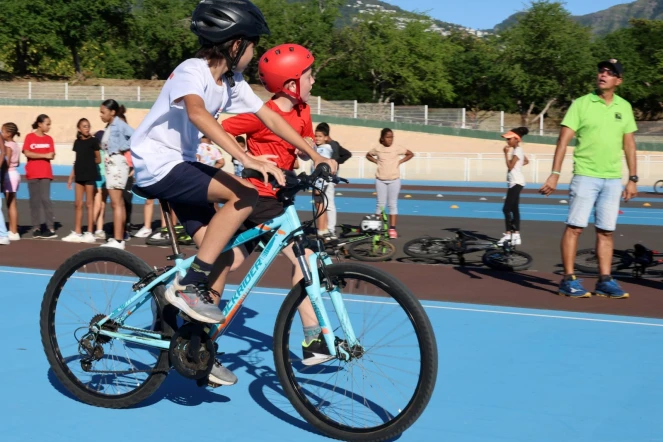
{"x":87,"y":183}
{"x":185,"y":188}
{"x":266,"y":209}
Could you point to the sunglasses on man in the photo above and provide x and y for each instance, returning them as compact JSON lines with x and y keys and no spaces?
{"x":608,"y":71}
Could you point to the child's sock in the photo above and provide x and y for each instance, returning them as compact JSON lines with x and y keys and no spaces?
{"x":197,"y":274}
{"x":311,"y":333}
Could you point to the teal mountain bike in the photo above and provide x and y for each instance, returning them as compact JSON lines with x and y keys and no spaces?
{"x":111,"y":339}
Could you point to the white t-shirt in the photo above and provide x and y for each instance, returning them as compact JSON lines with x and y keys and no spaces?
{"x":166,"y":137}
{"x":515,"y":175}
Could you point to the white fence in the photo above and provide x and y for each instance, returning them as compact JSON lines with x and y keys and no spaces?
{"x":453,"y":166}
{"x":455,"y":118}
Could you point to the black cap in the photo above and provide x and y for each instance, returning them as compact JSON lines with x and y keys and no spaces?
{"x":613,"y":64}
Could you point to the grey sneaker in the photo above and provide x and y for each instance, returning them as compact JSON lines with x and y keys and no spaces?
{"x":194,"y":301}
{"x":220,"y":375}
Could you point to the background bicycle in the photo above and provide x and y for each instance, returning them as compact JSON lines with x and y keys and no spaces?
{"x":496,"y":256}
{"x":640,"y":260}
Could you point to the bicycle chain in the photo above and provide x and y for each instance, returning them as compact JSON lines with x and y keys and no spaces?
{"x":119,"y":372}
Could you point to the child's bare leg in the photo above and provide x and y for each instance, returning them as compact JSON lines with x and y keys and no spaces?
{"x":90,"y":192}
{"x":78,"y":204}
{"x":239,"y":198}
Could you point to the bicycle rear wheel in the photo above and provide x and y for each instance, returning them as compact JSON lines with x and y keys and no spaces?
{"x":87,"y":287}
{"x":377,"y":394}
{"x":586,"y":260}
{"x":371,"y":251}
{"x":509,"y":261}
{"x":427,"y":247}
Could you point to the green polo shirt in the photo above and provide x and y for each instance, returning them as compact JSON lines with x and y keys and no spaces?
{"x":600,"y":131}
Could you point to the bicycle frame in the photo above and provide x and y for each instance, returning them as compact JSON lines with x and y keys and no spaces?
{"x":282,"y":226}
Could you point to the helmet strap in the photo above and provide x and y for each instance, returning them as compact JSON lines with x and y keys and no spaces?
{"x":233,"y":61}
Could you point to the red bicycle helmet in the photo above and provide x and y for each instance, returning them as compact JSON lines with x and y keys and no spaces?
{"x":284,"y":63}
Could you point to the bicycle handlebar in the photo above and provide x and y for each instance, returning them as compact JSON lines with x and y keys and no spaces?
{"x":299,"y":182}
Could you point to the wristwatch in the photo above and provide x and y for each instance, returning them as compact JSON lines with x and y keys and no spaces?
{"x":633,"y":178}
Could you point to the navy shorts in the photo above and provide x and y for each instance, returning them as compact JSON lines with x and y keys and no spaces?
{"x":185,"y":188}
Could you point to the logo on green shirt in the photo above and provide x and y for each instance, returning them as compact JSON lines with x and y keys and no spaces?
{"x":618,"y":116}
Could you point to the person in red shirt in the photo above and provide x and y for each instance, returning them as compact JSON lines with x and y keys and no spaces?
{"x":285,"y":71}
{"x":39,"y":148}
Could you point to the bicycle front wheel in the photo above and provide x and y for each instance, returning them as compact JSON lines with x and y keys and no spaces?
{"x":385,"y":387}
{"x":371,"y":251}
{"x":97,"y":369}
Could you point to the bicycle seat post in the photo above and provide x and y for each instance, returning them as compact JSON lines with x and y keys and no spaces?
{"x":171,"y":230}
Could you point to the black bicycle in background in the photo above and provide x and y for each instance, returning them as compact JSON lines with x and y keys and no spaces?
{"x":496,"y":256}
{"x":640,"y":260}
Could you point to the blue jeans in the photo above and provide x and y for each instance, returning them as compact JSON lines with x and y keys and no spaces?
{"x":603,"y":195}
{"x":3,"y":227}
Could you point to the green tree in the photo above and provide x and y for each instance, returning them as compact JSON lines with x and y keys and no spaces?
{"x":27,"y":33}
{"x":547,"y":59}
{"x":161,"y":36}
{"x":475,"y":76}
{"x":80,"y":21}
{"x":403,"y":65}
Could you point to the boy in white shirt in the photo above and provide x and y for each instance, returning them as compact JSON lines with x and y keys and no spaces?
{"x":164,"y":149}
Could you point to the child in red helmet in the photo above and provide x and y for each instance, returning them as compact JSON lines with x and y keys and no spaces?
{"x":285,"y":71}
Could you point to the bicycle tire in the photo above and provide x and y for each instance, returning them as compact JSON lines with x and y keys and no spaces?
{"x":411,"y":307}
{"x":434,"y":247}
{"x":587,"y":262}
{"x":491,"y":259}
{"x":385,"y":250}
{"x":50,"y":342}
{"x":658,"y":186}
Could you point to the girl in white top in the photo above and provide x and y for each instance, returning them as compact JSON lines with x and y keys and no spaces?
{"x":515,"y":160}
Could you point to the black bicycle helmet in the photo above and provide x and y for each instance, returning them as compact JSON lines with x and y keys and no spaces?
{"x":217,"y":21}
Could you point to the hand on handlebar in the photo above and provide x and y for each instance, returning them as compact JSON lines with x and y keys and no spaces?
{"x":265,"y":167}
{"x":333,"y":165}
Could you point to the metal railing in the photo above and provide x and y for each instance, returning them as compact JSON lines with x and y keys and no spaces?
{"x":491,"y":121}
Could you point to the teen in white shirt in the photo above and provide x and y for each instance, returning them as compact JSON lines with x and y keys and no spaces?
{"x":164,"y":148}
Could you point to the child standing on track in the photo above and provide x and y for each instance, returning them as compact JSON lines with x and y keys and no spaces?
{"x":285,"y":71}
{"x":4,"y":237}
{"x":388,"y":176}
{"x":325,"y":150}
{"x":39,"y":148}
{"x":164,"y":149}
{"x":515,"y":160}
{"x":84,"y":173}
{"x":12,"y":177}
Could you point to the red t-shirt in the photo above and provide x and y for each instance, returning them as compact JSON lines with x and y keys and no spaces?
{"x":38,"y":169}
{"x":262,"y":141}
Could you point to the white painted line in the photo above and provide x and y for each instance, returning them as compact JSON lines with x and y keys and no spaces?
{"x":434,"y":307}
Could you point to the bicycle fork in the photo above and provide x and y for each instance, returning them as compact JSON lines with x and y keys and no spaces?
{"x":313,"y":289}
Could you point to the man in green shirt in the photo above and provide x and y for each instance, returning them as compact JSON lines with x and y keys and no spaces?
{"x":604,"y":125}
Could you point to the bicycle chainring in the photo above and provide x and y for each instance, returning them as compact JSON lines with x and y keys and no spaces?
{"x":192,"y":352}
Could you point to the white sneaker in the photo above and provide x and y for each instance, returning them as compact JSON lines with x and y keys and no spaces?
{"x":4,"y":240}
{"x":14,"y":236}
{"x":73,"y":237}
{"x":100,"y":234}
{"x":144,"y":232}
{"x":88,"y":238}
{"x":113,"y":243}
{"x":515,"y":239}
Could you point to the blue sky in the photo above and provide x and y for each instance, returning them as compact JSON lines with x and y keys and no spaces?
{"x":484,"y":14}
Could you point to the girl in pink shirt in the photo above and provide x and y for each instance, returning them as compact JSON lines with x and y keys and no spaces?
{"x":13,"y":177}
